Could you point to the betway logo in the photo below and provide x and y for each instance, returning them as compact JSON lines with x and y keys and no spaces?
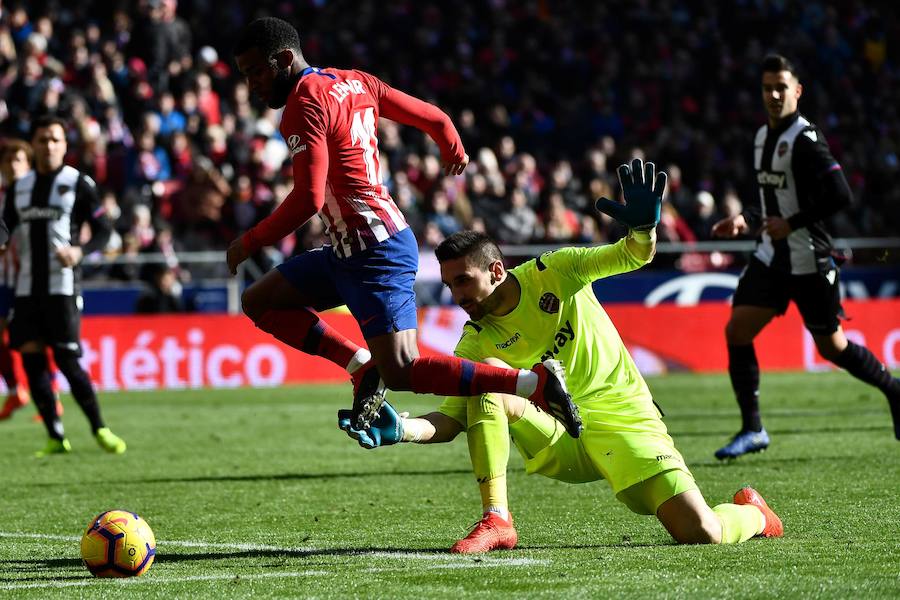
{"x":565,"y":335}
{"x":40,"y":213}
{"x":771,"y":179}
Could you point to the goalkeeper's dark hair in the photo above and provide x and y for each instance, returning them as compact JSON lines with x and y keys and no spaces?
{"x":270,"y":36}
{"x":776,"y":63}
{"x":476,"y":246}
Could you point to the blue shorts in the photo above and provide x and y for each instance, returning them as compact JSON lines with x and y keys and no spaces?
{"x":7,"y":297}
{"x":375,"y":284}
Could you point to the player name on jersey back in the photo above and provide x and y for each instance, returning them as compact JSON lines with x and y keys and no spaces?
{"x":340,"y":90}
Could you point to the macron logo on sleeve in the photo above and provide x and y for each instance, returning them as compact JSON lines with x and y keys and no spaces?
{"x":295,"y":145}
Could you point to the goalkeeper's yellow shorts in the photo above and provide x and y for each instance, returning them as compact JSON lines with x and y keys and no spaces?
{"x":624,"y":441}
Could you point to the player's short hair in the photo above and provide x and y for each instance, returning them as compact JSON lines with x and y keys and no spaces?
{"x":270,"y":36}
{"x":476,"y":246}
{"x":46,"y":121}
{"x":13,"y":145}
{"x":776,"y":63}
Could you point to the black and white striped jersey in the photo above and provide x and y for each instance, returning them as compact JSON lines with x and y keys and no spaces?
{"x":794,"y":170}
{"x":45,"y":213}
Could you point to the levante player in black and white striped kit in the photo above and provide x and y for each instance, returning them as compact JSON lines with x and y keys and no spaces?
{"x":800,"y":186}
{"x":45,"y":211}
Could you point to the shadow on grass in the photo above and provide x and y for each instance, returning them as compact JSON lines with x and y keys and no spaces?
{"x":43,"y":570}
{"x":618,"y":546}
{"x":264,"y":477}
{"x":37,"y":566}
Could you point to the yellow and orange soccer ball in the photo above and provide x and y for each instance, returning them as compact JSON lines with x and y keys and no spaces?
{"x":118,"y":543}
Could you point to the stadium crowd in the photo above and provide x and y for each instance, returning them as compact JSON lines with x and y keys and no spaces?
{"x":549,"y":98}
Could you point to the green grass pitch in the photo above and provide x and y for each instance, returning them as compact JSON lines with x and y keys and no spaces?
{"x":256,"y":493}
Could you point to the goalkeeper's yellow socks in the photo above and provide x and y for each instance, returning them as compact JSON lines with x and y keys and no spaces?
{"x":739,"y":522}
{"x":493,"y":496}
{"x":488,"y":439}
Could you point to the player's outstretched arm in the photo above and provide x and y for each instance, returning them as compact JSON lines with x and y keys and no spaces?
{"x":406,"y":109}
{"x":391,"y":427}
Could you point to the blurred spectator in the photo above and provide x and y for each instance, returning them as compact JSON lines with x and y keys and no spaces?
{"x":171,"y":120}
{"x":125,"y":270}
{"x":428,"y":286}
{"x":164,"y":294}
{"x":518,"y":223}
{"x":702,"y":215}
{"x":142,"y":226}
{"x":162,"y":40}
{"x":561,"y":224}
{"x":147,"y":163}
{"x":440,"y":215}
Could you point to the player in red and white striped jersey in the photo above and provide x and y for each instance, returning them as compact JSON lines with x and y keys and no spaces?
{"x":330,"y":125}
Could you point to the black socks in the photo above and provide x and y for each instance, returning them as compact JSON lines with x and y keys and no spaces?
{"x":744,"y":371}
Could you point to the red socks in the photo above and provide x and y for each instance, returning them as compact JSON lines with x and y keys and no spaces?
{"x":452,"y":376}
{"x":304,"y":330}
{"x":443,"y":375}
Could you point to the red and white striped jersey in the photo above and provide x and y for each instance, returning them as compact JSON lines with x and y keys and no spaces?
{"x":330,"y":124}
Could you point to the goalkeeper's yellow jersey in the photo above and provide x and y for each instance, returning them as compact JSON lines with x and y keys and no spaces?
{"x":558,"y":316}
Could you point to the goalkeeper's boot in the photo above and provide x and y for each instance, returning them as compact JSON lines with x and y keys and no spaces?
{"x":773,"y":527}
{"x":109,"y":441}
{"x":17,"y":399}
{"x":744,"y":442}
{"x":55,"y":446}
{"x":369,"y":394}
{"x":492,"y":532}
{"x":552,"y":397}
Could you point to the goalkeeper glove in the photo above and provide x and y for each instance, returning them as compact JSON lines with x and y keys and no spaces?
{"x":386,"y":429}
{"x":643,"y":196}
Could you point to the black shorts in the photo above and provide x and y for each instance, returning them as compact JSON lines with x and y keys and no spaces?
{"x":817,"y":295}
{"x":53,"y":320}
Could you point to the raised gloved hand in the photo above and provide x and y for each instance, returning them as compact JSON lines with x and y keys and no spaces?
{"x":385,"y":430}
{"x":643,"y":196}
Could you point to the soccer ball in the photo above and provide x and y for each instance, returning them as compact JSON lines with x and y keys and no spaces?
{"x":118,"y":543}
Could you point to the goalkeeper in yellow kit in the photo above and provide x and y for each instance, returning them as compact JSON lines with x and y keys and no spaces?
{"x":546,"y":308}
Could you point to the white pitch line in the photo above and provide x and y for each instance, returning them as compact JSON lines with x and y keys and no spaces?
{"x":151,"y":580}
{"x":483,"y":563}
